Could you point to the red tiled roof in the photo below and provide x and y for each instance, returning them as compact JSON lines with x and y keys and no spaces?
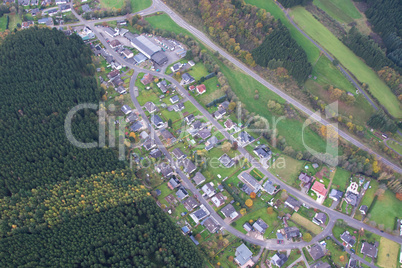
{"x":201,"y":88}
{"x":319,"y":188}
{"x":191,"y":88}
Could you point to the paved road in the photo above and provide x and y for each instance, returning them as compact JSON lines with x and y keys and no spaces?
{"x":302,"y":197}
{"x":203,"y":38}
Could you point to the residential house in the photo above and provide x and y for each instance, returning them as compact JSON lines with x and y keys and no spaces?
{"x":190,"y":203}
{"x":263,"y":152}
{"x":165,"y":169}
{"x":369,"y":250}
{"x":353,"y":263}
{"x":34,"y":2}
{"x":211,"y":224}
{"x":117,"y":81}
{"x":279,"y":259}
{"x":187,"y":79}
{"x":320,"y":264}
{"x":211,"y":142}
{"x":229,"y":211}
{"x":201,"y":89}
{"x":157,"y":121}
{"x":178,"y":153}
{"x":163,"y":86}
{"x":348,"y":239}
{"x":335,"y":195}
{"x":127,"y":53}
{"x":113,"y":74}
{"x":269,"y":187}
{"x":115,"y":43}
{"x":194,"y":240}
{"x":109,"y":31}
{"x":363,"y":209}
{"x":185,"y":230}
{"x":139,"y":58}
{"x":137,"y":126}
{"x":35,"y":12}
{"x":173,"y":183}
{"x":247,"y":226}
{"x":198,"y":178}
{"x":155,"y":153}
{"x":150,"y":107}
{"x":260,"y":226}
{"x":146,"y":79}
{"x":291,"y":232}
{"x":167,"y":136}
{"x":245,"y":138}
{"x":243,"y":256}
{"x":319,"y":189}
{"x":121,"y":22}
{"x":189,"y":166}
{"x":174,"y":99}
{"x":293,"y":203}
{"x":197,"y":124}
{"x":176,"y":67}
{"x":47,"y":21}
{"x":320,"y":218}
{"x":250,"y":181}
{"x":27,"y":24}
{"x":204,"y":133}
{"x":200,"y":214}
{"x":149,"y":144}
{"x":144,"y":135}
{"x":226,"y":161}
{"x":219,"y":113}
{"x":228,"y":124}
{"x":208,"y":189}
{"x":126,"y":109}
{"x":224,"y":105}
{"x":64,"y":8}
{"x":60,"y":2}
{"x":351,"y":198}
{"x":189,"y":119}
{"x":181,"y":193}
{"x":218,"y":200}
{"x":191,"y":63}
{"x":317,"y":252}
{"x":121,"y":90}
{"x":304,"y":178}
{"x":191,"y":88}
{"x":178,"y":107}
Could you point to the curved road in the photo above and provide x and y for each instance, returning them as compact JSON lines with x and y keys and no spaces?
{"x":334,"y":215}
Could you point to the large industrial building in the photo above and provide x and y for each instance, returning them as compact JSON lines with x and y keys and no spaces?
{"x":149,"y":49}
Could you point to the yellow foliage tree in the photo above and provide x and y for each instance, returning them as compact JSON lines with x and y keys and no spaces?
{"x":243,"y":211}
{"x":132,"y":134}
{"x":249,"y":203}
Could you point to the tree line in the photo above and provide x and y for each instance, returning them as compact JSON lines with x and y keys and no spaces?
{"x":386,"y":18}
{"x":43,"y":75}
{"x":279,"y":49}
{"x":292,"y":3}
{"x":133,"y":235}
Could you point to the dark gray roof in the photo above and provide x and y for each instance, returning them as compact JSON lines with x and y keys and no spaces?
{"x":245,"y":137}
{"x":224,"y":104}
{"x":166,"y":170}
{"x":351,"y":198}
{"x":228,"y":211}
{"x":189,"y":118}
{"x":204,"y":133}
{"x":260,"y":226}
{"x":291,"y":232}
{"x":279,"y":259}
{"x":200,"y":214}
{"x":155,"y":153}
{"x":126,"y":109}
{"x":348,"y":238}
{"x":263,"y":151}
{"x":159,"y":58}
{"x":247,"y":226}
{"x":317,"y":252}
{"x":132,"y":117}
{"x":156,"y":120}
{"x":211,"y":142}
{"x":197,"y":124}
{"x":321,"y":264}
{"x":247,"y":178}
{"x":226,"y":161}
{"x":178,"y":153}
{"x":186,"y":77}
{"x":174,"y":182}
{"x":293,"y":203}
{"x":211,"y":224}
{"x":174,"y":99}
{"x":190,"y":203}
{"x":335,"y":194}
{"x":321,"y":217}
{"x":199,"y":178}
{"x":369,"y":250}
{"x":136,"y":126}
{"x":150,"y":106}
{"x":181,"y":193}
{"x":269,"y":187}
{"x":189,"y":166}
{"x":167,"y":135}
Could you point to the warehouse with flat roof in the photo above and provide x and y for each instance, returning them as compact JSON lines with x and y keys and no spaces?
{"x":145,"y":46}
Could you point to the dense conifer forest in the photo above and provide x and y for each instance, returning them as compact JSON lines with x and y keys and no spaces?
{"x":43,"y":74}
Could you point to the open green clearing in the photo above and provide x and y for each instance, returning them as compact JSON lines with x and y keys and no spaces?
{"x":164,"y":22}
{"x":388,"y":253}
{"x":396,"y":146}
{"x":136,"y":5}
{"x":363,"y":73}
{"x":341,"y":179}
{"x":307,"y":224}
{"x":3,"y":23}
{"x":271,"y":220}
{"x":288,"y":172}
{"x":343,"y":11}
{"x":198,"y":71}
{"x":14,"y":20}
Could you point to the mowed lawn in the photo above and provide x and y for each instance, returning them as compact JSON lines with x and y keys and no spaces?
{"x":343,"y":11}
{"x":307,"y":224}
{"x":136,"y":5}
{"x":164,"y":22}
{"x":388,"y":253}
{"x":363,"y":73}
{"x":288,"y":172}
{"x":260,"y":213}
{"x":396,"y":146}
{"x":3,"y":23}
{"x":341,"y":179}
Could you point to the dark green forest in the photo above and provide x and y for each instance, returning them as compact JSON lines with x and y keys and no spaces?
{"x":43,"y":74}
{"x":279,"y":49}
{"x":135,"y":235}
{"x":386,"y":18}
{"x":292,"y":3}
{"x":62,"y":206}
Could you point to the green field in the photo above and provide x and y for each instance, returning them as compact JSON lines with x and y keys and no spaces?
{"x":14,"y":20}
{"x":363,"y":73}
{"x":198,"y":71}
{"x":388,"y":253}
{"x":136,"y":5}
{"x":341,"y":10}
{"x":271,"y":220}
{"x":396,"y":146}
{"x":164,"y":22}
{"x":289,"y":172}
{"x":341,"y":179}
{"x":305,"y":223}
{"x":3,"y":22}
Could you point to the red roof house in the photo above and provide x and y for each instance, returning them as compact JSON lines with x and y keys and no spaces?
{"x":319,"y":189}
{"x":201,"y":89}
{"x":191,"y":88}
{"x":147,"y":79}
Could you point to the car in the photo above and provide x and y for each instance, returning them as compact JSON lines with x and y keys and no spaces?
{"x":279,"y":241}
{"x":158,"y":70}
{"x":352,"y":250}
